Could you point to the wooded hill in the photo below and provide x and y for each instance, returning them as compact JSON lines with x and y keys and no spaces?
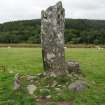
{"x":77,"y":31}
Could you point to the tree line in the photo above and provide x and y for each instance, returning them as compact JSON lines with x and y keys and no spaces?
{"x":77,"y":31}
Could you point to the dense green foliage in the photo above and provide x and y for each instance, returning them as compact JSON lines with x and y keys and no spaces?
{"x":29,"y":61}
{"x":80,"y":31}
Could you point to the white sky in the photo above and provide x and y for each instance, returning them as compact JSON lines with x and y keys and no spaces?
{"x":30,"y":9}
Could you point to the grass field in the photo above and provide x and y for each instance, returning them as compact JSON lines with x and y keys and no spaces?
{"x":29,"y":61}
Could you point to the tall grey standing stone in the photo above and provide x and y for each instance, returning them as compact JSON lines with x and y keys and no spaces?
{"x":52,"y":38}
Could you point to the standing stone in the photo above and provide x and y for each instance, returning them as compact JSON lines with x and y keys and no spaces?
{"x":52,"y":38}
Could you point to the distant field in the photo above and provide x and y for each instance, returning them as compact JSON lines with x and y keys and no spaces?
{"x":23,"y":45}
{"x":29,"y":61}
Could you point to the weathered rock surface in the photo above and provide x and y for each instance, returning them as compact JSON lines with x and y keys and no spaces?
{"x":78,"y":86}
{"x":73,"y":66}
{"x":31,"y":89}
{"x":30,"y":77}
{"x":52,"y":38}
{"x":17,"y":82}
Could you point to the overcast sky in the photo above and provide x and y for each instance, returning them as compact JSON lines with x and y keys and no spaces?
{"x":30,"y":9}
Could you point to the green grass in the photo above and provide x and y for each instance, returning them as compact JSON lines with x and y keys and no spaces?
{"x":29,"y":61}
{"x":22,"y":60}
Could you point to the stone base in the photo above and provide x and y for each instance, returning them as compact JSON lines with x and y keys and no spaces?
{"x":72,"y":66}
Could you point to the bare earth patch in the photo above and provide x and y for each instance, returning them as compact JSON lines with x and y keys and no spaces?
{"x":44,"y":101}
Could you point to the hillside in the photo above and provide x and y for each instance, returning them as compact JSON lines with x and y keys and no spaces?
{"x":76,"y":31}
